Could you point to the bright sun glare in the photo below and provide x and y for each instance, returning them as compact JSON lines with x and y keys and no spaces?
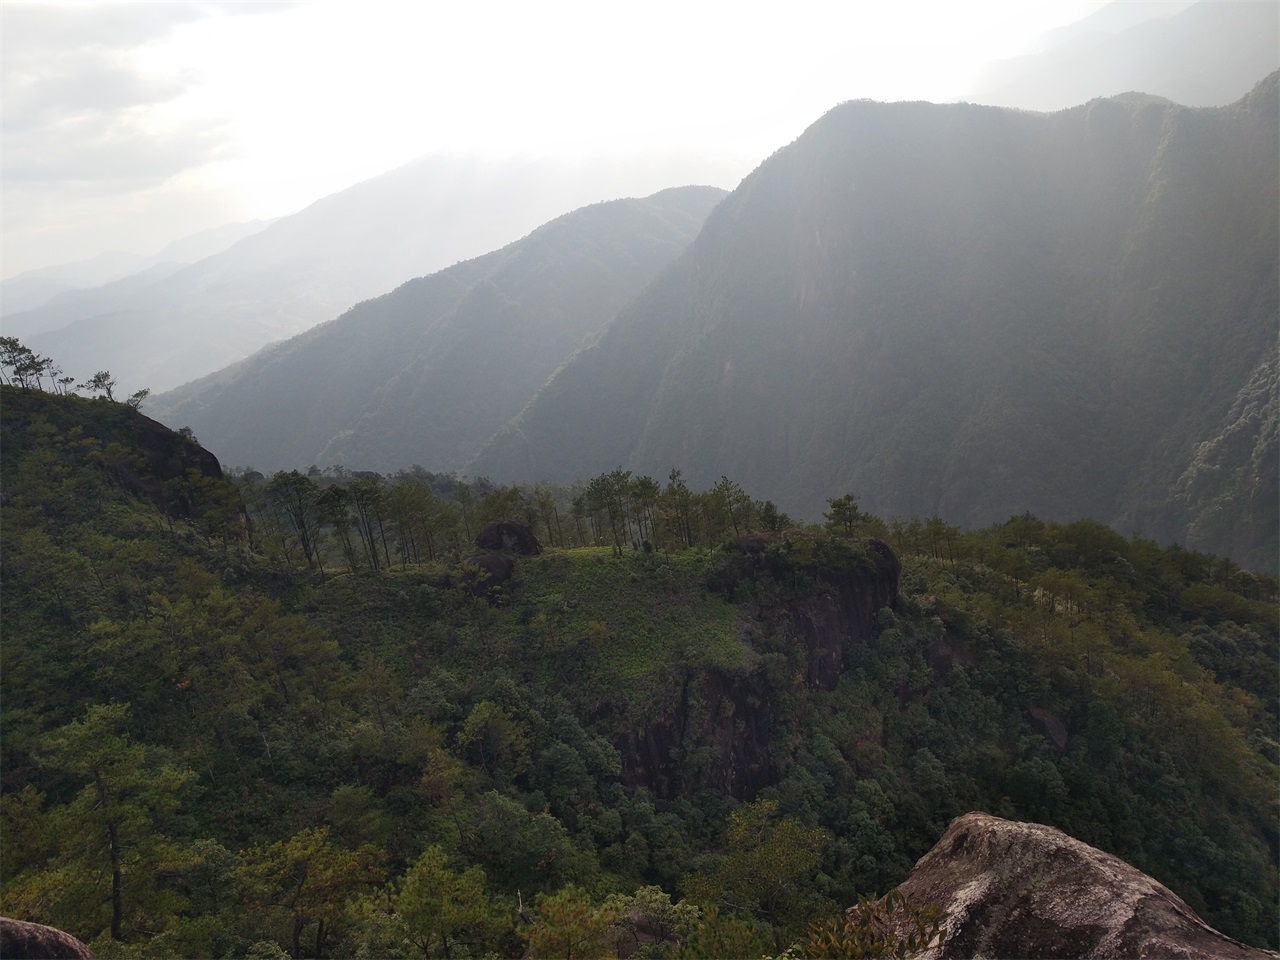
{"x":274,"y":105}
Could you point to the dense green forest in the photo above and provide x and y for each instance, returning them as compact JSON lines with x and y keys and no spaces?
{"x":302,"y":715}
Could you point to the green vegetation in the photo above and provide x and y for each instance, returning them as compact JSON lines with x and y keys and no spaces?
{"x":219,"y":743}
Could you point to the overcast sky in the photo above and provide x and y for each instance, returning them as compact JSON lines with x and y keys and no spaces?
{"x":126,"y":126}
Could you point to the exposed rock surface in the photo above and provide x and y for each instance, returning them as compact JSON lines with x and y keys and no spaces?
{"x":509,"y":535}
{"x":732,"y":714}
{"x":729,"y":715}
{"x":844,"y":612}
{"x":35,"y":941}
{"x":169,"y":456}
{"x":1026,"y":890}
{"x":492,"y":570}
{"x":839,"y":614}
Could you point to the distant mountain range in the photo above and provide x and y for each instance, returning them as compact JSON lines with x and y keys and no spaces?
{"x":964,"y":311}
{"x":945,"y":309}
{"x":429,"y":372}
{"x":1205,"y":54}
{"x":74,"y":284}
{"x":165,"y":327}
{"x":210,"y":301}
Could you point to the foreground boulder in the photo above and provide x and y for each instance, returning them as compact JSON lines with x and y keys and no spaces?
{"x":1026,"y":890}
{"x":35,"y":941}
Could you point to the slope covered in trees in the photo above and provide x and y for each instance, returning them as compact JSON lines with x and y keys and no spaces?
{"x":219,"y":747}
{"x":162,"y":330}
{"x":966,"y":311}
{"x":427,"y":373}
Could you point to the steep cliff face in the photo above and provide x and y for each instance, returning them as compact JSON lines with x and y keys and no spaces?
{"x":819,"y":607}
{"x":168,"y":456}
{"x":1026,"y":890}
{"x":842,"y":613}
{"x":717,"y":738}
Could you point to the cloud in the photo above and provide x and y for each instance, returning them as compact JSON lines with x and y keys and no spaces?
{"x":119,"y":150}
{"x":81,"y":102}
{"x":60,"y":62}
{"x":108,"y":129}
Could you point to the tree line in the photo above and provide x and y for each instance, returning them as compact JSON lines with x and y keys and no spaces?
{"x":20,"y":366}
{"x":335,"y":519}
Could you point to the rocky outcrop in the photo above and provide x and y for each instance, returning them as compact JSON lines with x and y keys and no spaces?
{"x":728,"y":715}
{"x":509,"y":535}
{"x":167,"y":456}
{"x":488,"y":572}
{"x":852,"y":581}
{"x":828,"y":595}
{"x":843,"y":611}
{"x":35,"y":941}
{"x":1026,"y":890}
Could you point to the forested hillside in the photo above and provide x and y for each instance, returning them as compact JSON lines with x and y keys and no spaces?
{"x":964,"y":311}
{"x":311,"y":266}
{"x":302,"y":715}
{"x":426,"y":374}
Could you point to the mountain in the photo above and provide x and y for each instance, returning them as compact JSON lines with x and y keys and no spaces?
{"x":105,"y":267}
{"x":74,"y":285}
{"x":429,"y":372}
{"x":964,"y":311}
{"x":311,"y":266}
{"x":1208,"y":54}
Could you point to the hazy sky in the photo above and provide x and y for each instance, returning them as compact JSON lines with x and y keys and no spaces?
{"x":127,"y":125}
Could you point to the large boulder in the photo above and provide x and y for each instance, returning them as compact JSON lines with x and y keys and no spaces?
{"x":1026,"y":890}
{"x":509,"y":535}
{"x":489,"y":572}
{"x":35,"y":941}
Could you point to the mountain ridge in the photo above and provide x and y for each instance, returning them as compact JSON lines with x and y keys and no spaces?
{"x":1230,"y":45}
{"x":311,"y":266}
{"x":469,"y":343}
{"x":944,"y":272}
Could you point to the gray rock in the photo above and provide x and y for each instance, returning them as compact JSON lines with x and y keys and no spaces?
{"x":509,"y":535}
{"x":35,"y":941}
{"x":1026,"y":890}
